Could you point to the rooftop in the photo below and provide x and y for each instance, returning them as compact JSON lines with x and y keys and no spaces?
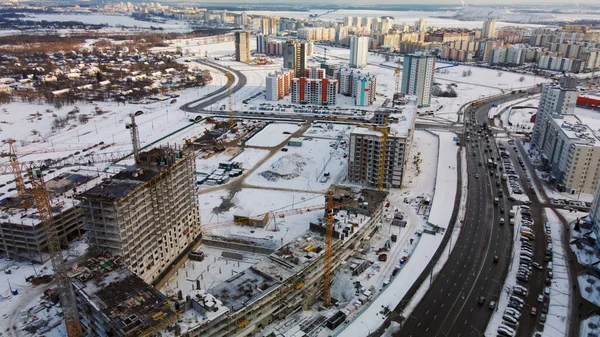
{"x":583,"y":127}
{"x":21,"y":210}
{"x":124,"y":299}
{"x":121,"y":184}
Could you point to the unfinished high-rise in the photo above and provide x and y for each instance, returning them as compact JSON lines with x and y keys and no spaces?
{"x":366,"y":154}
{"x":148,"y":214}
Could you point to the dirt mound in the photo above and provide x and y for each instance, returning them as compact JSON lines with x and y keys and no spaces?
{"x":287,"y":167}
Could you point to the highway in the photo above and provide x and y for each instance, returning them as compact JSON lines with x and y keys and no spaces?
{"x":450,"y":306}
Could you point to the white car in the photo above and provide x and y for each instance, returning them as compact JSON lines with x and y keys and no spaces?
{"x":547,"y":291}
{"x":540,"y":298}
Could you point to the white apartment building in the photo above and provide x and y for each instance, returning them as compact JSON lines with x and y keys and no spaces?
{"x":489,"y":29}
{"x":417,"y":77}
{"x":359,"y":48}
{"x":568,"y":143}
{"x":278,"y":84}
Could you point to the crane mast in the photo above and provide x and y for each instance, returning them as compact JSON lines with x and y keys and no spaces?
{"x":16,"y":167}
{"x":65,"y":292}
{"x":135,"y":139}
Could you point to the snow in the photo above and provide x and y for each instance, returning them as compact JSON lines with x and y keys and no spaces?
{"x":259,"y":201}
{"x":488,"y":79}
{"x":329,"y":130}
{"x":250,"y":157}
{"x":29,"y":296}
{"x":273,"y":135}
{"x":116,"y":20}
{"x":209,"y":164}
{"x":445,"y":184}
{"x":589,"y":326}
{"x":433,"y":18}
{"x":560,"y":290}
{"x":303,"y":167}
{"x":370,"y":319}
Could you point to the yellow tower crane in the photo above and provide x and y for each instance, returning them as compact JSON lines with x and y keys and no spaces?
{"x":330,"y":206}
{"x":14,"y":162}
{"x":63,"y":284}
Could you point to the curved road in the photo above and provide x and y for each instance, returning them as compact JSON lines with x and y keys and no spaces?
{"x":218,"y":94}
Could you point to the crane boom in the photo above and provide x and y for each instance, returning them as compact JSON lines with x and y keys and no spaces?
{"x":65,"y":292}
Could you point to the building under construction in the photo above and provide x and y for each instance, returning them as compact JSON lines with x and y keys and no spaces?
{"x":22,"y":234}
{"x":288,"y":280}
{"x":367,"y":149}
{"x":147,"y":214}
{"x":113,"y":301}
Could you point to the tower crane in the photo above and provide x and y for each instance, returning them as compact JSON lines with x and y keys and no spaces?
{"x":135,"y":139}
{"x":65,"y":292}
{"x":397,"y":72}
{"x":16,"y":167}
{"x":330,"y":206}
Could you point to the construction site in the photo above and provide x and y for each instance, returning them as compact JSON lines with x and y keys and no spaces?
{"x":224,"y":227}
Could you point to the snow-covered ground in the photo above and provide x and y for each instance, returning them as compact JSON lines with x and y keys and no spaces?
{"x":590,"y":288}
{"x":257,"y":201}
{"x":273,"y":135}
{"x":314,"y":166}
{"x":446,"y":184}
{"x":371,"y":318}
{"x":590,"y":327}
{"x":560,"y":290}
{"x":250,"y":157}
{"x":329,"y":130}
{"x":29,"y":296}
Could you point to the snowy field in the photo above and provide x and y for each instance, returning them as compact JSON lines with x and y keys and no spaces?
{"x":329,"y":130}
{"x":273,"y":135}
{"x":303,"y":168}
{"x":488,"y":79}
{"x":399,"y":17}
{"x":259,"y":201}
{"x":116,"y":20}
{"x":106,"y":123}
{"x":445,"y":184}
{"x":207,"y":165}
{"x":250,"y":157}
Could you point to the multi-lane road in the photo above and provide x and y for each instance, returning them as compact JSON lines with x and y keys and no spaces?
{"x":450,"y":307}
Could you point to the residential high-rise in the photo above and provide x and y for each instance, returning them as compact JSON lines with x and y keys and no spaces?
{"x":341,"y":34}
{"x":261,"y":43}
{"x":364,"y":89}
{"x":348,"y":21}
{"x":315,"y":72}
{"x":569,"y":146}
{"x":147,"y":215}
{"x":224,"y":16}
{"x":294,"y":57}
{"x":321,"y":91}
{"x":278,"y":84}
{"x":359,"y":49}
{"x":365,"y":151}
{"x":417,"y":77}
{"x":242,"y":46}
{"x":420,"y":25}
{"x":244,"y":19}
{"x":489,"y":29}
